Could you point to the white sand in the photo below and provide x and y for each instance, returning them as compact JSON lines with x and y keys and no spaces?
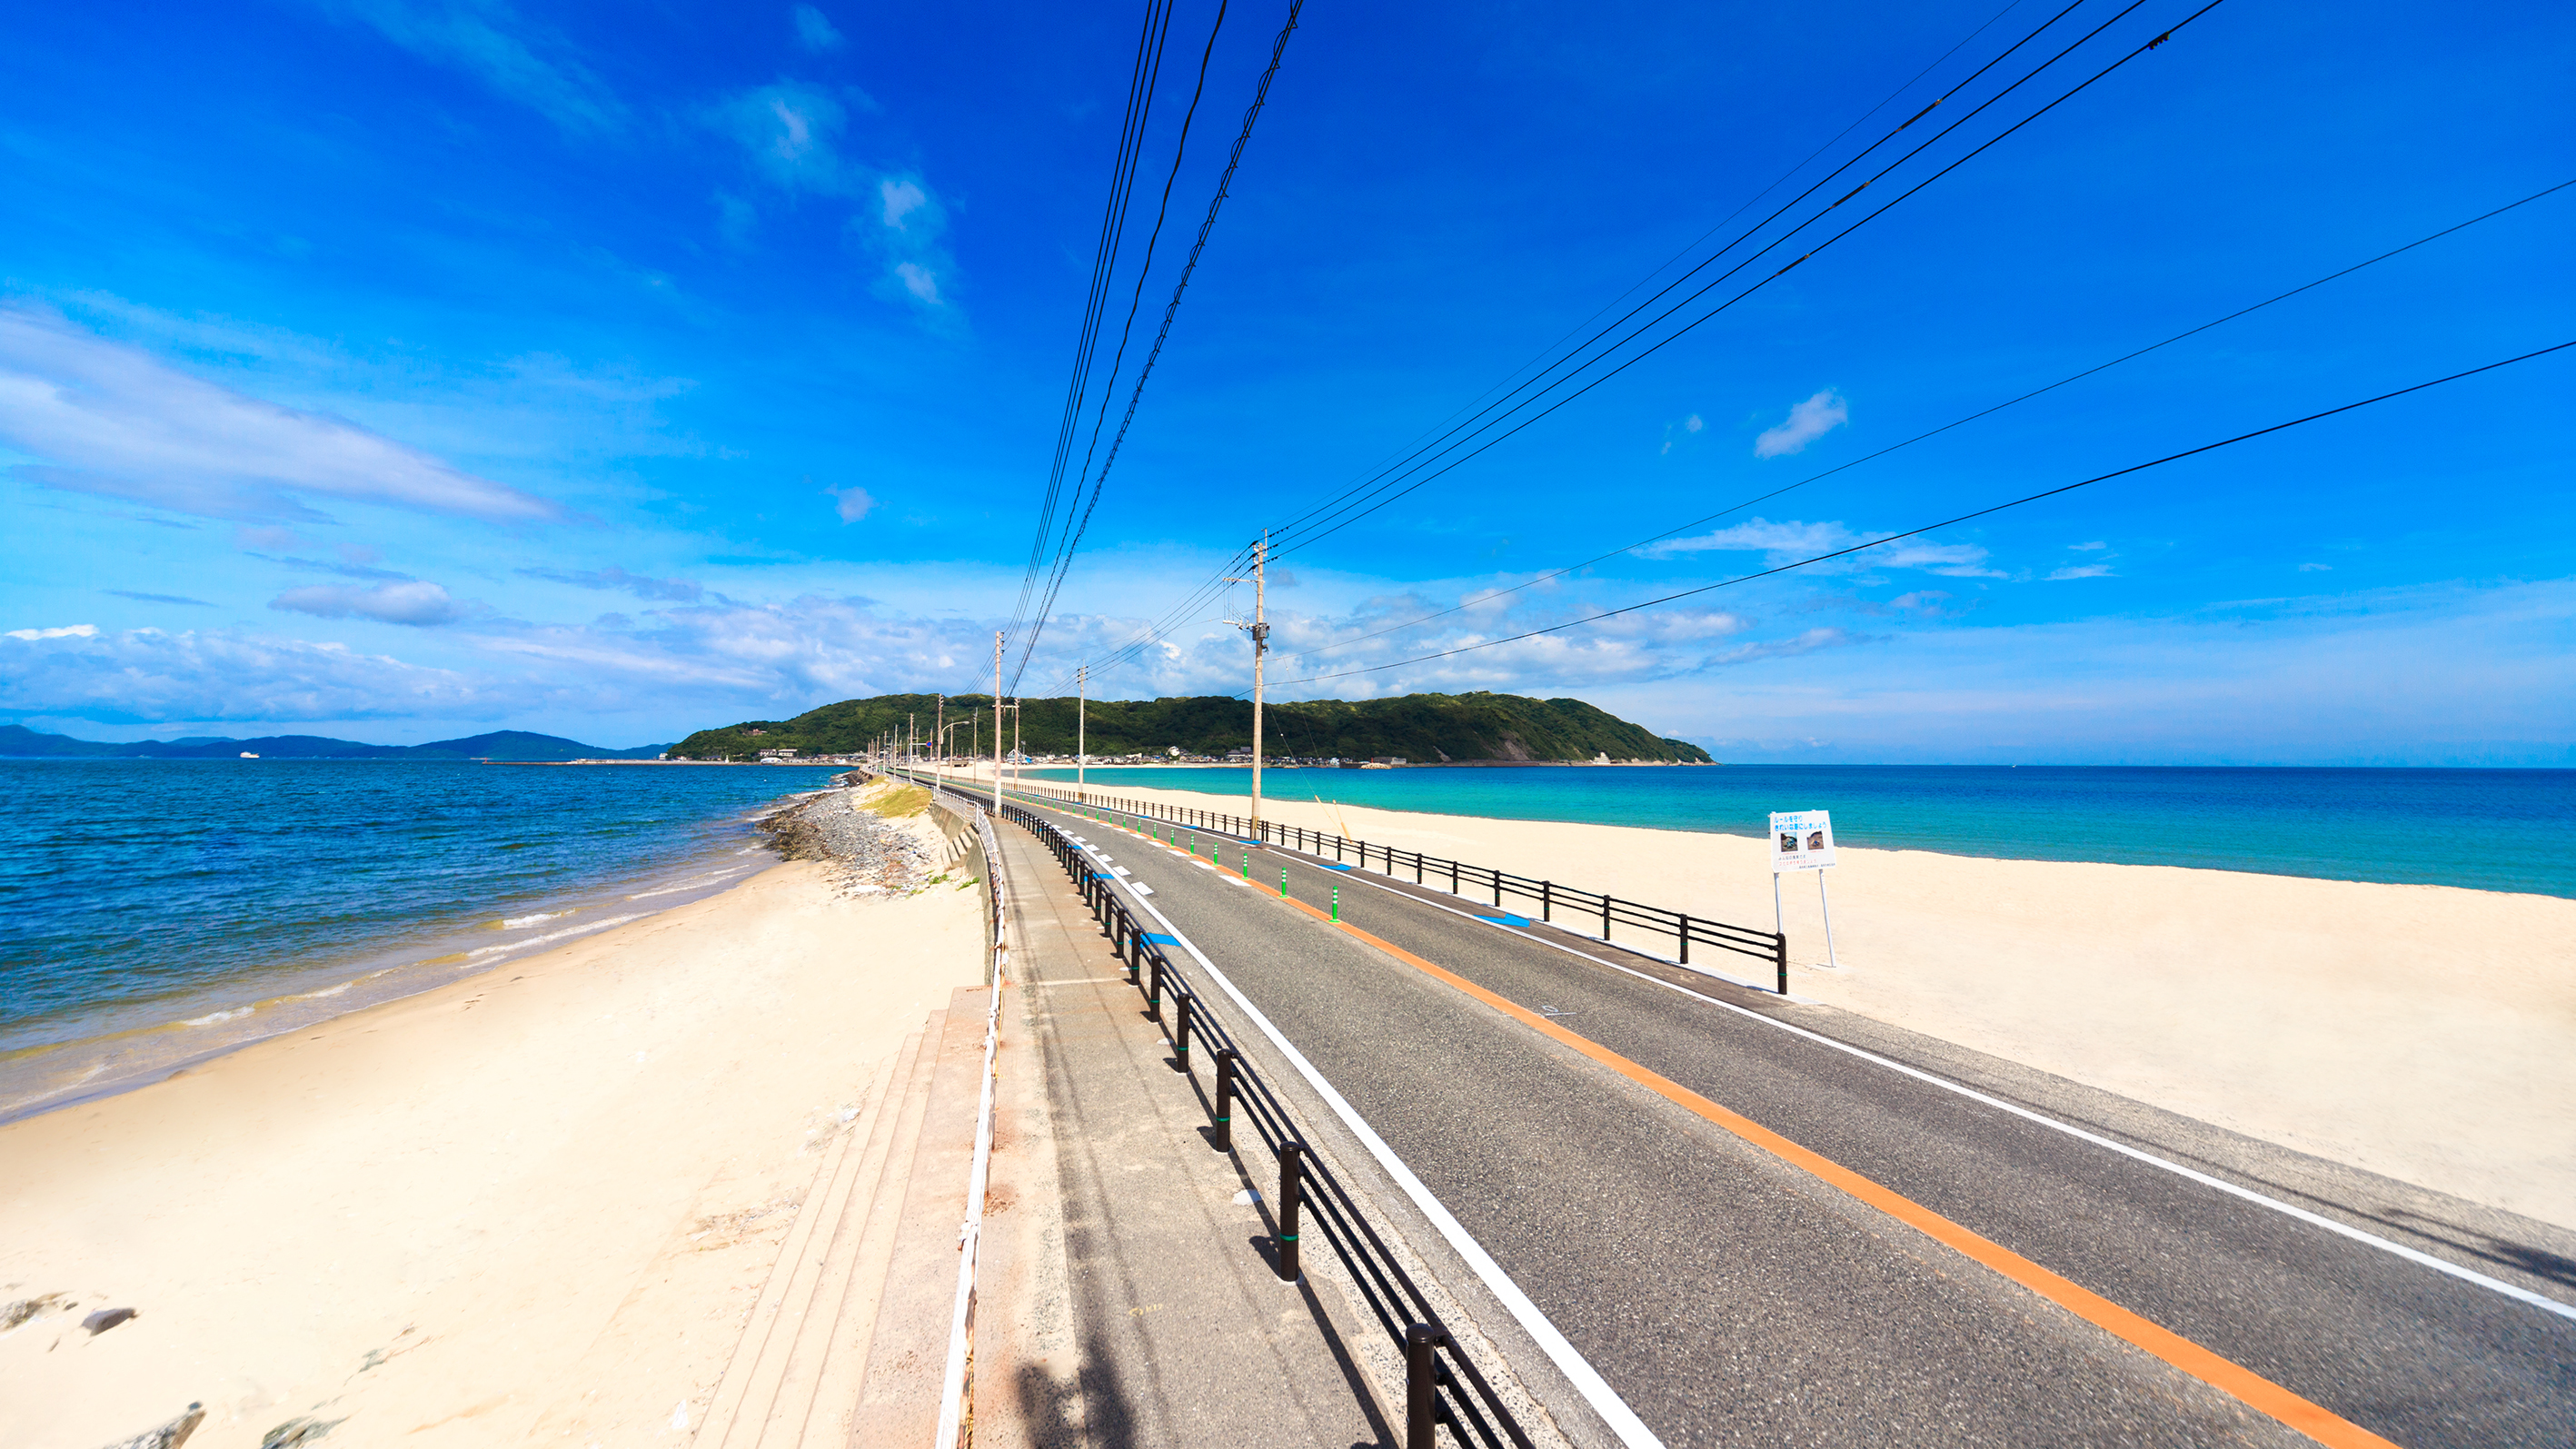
{"x":2424,"y":1032}
{"x":536,"y":1204}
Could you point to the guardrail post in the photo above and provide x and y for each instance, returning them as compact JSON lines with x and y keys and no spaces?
{"x":1780,"y":954}
{"x":1154,"y":991}
{"x":1181,"y":1030}
{"x":1547,"y":900}
{"x":1292,"y":1193}
{"x":1498,"y":889}
{"x":1420,"y":1407}
{"x":1685,"y":935}
{"x":1605,"y":915}
{"x":1225,"y":1060}
{"x":1453,"y":877}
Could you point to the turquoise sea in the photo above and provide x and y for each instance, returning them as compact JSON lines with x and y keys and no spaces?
{"x":2497,"y":830}
{"x":153,"y":912}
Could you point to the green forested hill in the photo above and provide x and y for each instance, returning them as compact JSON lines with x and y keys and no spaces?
{"x":1423,"y":728}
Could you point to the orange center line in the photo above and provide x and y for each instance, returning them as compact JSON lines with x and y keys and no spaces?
{"x":2225,"y":1375}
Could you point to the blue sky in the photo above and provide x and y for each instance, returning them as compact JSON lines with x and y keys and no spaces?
{"x":398,"y":369}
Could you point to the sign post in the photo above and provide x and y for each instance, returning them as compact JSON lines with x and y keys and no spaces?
{"x":1804,"y":840}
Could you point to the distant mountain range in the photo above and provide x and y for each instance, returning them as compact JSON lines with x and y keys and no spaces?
{"x":19,"y":742}
{"x":1478,"y":728}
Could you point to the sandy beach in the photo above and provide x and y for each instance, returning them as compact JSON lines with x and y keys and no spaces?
{"x":537,"y":1203}
{"x":2424,"y":1032}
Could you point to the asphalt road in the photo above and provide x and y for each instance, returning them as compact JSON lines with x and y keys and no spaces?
{"x":1732,"y":1298}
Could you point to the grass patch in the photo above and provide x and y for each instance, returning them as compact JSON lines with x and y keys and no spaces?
{"x":903,"y":800}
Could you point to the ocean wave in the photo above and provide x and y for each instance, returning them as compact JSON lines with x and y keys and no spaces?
{"x":580,"y":930}
{"x":521,"y":923}
{"x":212,"y":1017}
{"x":692,"y":883}
{"x":326,"y":991}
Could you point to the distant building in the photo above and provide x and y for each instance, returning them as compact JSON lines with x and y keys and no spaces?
{"x":778,"y":754}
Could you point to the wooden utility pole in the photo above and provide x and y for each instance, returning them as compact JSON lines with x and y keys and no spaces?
{"x":997,"y":724}
{"x":1259,"y":629}
{"x":939,"y":732}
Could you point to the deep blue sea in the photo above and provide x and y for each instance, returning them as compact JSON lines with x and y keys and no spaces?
{"x":2497,"y":830}
{"x":154,"y":911}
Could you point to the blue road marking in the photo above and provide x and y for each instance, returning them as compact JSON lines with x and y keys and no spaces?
{"x":1162,"y":940}
{"x":1331,"y":865}
{"x":1506,"y":919}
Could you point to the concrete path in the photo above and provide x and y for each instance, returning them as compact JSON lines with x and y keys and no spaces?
{"x":1731,"y":1297}
{"x":1147,"y":1313}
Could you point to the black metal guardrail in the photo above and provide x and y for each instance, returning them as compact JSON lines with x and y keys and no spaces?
{"x":1550,"y":896}
{"x":1442,"y":1386}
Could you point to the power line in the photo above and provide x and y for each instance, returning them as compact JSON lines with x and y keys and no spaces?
{"x":1103,"y":665}
{"x":1946,"y":427}
{"x":1243,"y":138}
{"x":1694,"y":243}
{"x":1385,"y":483}
{"x":1944,"y":523}
{"x":1144,"y":79}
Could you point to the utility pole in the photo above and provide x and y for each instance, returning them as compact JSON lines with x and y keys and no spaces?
{"x":1015,"y":741}
{"x":1081,"y":703}
{"x":911,"y":737}
{"x":1259,"y":629}
{"x":997,"y":724}
{"x":939,"y":732}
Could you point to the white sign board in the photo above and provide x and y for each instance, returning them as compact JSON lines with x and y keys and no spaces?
{"x":1801,"y":840}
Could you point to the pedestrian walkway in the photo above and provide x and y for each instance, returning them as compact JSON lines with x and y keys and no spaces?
{"x":1128,"y":1294}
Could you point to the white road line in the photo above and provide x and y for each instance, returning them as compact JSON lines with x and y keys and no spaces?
{"x":2412,"y":1255}
{"x":1587,"y":1380}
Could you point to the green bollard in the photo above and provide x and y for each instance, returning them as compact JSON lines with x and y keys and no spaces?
{"x":1283,"y":882}
{"x":1247,"y":865}
{"x":1337,"y":903}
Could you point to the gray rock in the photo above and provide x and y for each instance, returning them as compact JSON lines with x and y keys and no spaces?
{"x":297,"y":1431}
{"x":105,"y":1319}
{"x":19,"y":1311}
{"x":168,"y":1436}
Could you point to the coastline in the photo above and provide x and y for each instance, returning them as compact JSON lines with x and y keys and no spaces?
{"x":538,"y":1199}
{"x":2420,"y":1032}
{"x":100,"y":1049}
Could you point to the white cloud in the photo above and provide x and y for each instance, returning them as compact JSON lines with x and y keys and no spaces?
{"x":853,"y":503}
{"x":2094,"y":547}
{"x":105,"y":418}
{"x":1789,"y":542}
{"x":814,"y":31}
{"x":2442,"y":674}
{"x":68,"y":631}
{"x":2316,"y":568}
{"x":793,"y":131}
{"x":902,"y":198}
{"x":148,"y":676}
{"x":487,"y":40}
{"x":413,"y":601}
{"x":2079,"y":571}
{"x":679,"y":591}
{"x":920,"y":281}
{"x":1807,"y":422}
